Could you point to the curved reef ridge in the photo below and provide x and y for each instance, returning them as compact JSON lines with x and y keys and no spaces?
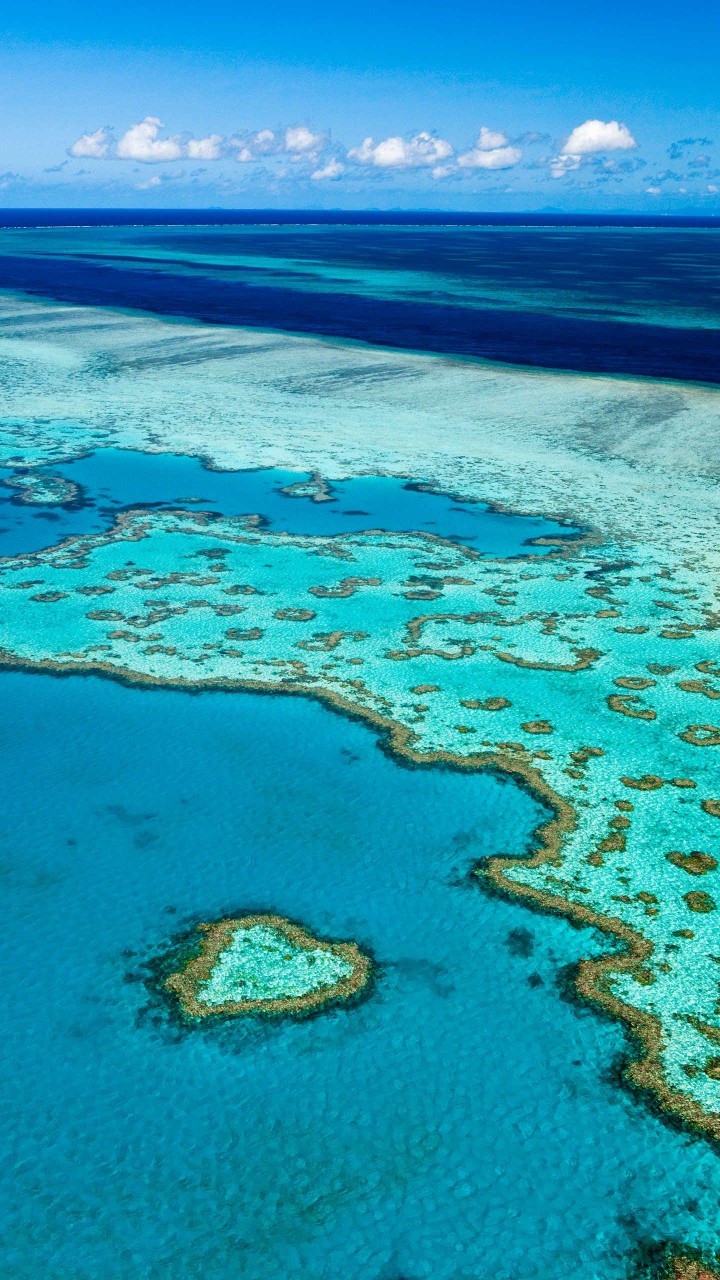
{"x":43,"y":489}
{"x":266,"y":964}
{"x":187,"y":600}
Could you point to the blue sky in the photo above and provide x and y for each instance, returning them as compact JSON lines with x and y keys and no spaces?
{"x":524,"y":105}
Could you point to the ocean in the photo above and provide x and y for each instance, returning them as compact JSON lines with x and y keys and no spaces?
{"x":361,"y":573}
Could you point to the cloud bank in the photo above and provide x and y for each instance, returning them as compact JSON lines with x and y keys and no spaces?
{"x":594,"y":153}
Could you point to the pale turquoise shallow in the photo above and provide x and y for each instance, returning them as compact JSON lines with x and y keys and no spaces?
{"x":260,"y":964}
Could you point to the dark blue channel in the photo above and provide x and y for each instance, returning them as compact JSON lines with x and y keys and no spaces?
{"x":510,"y":336}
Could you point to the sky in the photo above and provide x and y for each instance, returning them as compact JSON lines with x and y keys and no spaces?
{"x":529,"y":105}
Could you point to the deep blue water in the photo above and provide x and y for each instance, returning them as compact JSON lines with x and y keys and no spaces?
{"x":337,"y":217}
{"x":631,"y":299}
{"x":456,"y":1124}
{"x":112,"y":479}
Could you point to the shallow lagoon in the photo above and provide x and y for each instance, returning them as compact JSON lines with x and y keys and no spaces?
{"x":112,"y":479}
{"x":456,"y":1124}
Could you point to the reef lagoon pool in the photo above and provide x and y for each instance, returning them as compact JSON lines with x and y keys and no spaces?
{"x":100,"y":485}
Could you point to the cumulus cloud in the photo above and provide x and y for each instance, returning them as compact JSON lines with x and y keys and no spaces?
{"x":402,"y":153}
{"x":141,"y":142}
{"x":92,"y":146}
{"x":300,"y":140}
{"x":598,"y":135}
{"x":491,"y":151}
{"x":329,"y":172}
{"x":490,"y":139}
{"x":209,"y":148}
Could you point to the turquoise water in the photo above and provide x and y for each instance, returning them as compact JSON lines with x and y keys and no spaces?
{"x":433,"y":1130}
{"x":115,"y":478}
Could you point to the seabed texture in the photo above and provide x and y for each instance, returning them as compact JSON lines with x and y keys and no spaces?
{"x":586,"y":669}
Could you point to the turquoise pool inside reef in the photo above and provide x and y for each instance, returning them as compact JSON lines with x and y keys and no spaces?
{"x":461,"y":1121}
{"x":288,"y":502}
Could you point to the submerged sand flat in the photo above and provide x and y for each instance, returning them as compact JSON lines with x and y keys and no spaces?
{"x":636,"y":459}
{"x":591,"y":675}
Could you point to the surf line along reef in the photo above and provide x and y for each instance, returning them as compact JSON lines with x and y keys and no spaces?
{"x":587,"y":676}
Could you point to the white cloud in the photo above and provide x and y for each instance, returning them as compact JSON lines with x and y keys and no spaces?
{"x":400,"y":153}
{"x":301,"y":140}
{"x":598,"y":135}
{"x":209,"y":148}
{"x":141,"y":143}
{"x":329,"y":172}
{"x":483,"y":157}
{"x":155,"y":181}
{"x":489,"y":140}
{"x":652,"y":191}
{"x":713,"y":189}
{"x":92,"y":146}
